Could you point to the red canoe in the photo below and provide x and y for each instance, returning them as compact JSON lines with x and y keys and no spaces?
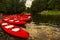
{"x":13,"y":20}
{"x":8,"y":21}
{"x":17,"y":19}
{"x":14,"y":30}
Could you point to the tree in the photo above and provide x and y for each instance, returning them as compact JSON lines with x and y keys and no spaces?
{"x":12,"y":6}
{"x":38,"y":5}
{"x":54,"y":5}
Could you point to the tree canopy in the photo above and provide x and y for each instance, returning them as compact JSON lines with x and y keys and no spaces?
{"x":12,"y":6}
{"x":18,"y":6}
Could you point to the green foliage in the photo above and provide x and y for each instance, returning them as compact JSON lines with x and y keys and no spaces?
{"x":12,"y":6}
{"x":49,"y":16}
{"x":17,"y":6}
{"x":50,"y":12}
{"x":38,"y":5}
{"x":54,"y":5}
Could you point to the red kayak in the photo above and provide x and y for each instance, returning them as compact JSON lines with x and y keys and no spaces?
{"x":25,"y":17}
{"x":8,"y":24}
{"x":14,"y":30}
{"x":17,"y":19}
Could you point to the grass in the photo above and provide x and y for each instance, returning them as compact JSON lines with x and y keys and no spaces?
{"x":51,"y":12}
